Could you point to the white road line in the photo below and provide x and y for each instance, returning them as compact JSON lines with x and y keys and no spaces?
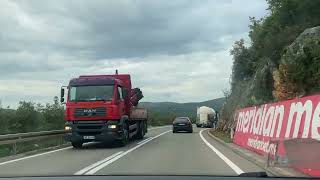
{"x":144,"y":140}
{"x":158,"y":127}
{"x":36,"y":155}
{"x":49,"y":152}
{"x":32,"y":156}
{"x":84,"y":170}
{"x":99,"y":167}
{"x":234,"y":167}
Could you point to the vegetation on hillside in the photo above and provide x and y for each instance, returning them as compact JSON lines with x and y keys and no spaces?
{"x":273,"y":67}
{"x":163,"y":113}
{"x":29,"y":117}
{"x":32,"y":117}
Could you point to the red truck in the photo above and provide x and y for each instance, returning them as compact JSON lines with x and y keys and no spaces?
{"x":103,"y":108}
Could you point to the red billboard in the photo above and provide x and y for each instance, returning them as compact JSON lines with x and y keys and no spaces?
{"x":258,"y":127}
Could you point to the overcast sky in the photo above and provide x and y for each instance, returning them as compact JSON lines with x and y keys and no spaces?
{"x":175,"y":50}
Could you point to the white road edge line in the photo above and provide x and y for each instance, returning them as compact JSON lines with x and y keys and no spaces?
{"x":49,"y":152}
{"x":28,"y":157}
{"x":159,"y":127}
{"x":99,"y":167}
{"x":144,"y":140}
{"x":234,"y":167}
{"x":84,"y":170}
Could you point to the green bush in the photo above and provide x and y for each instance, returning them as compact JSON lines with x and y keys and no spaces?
{"x":266,"y":70}
{"x":31,"y":117}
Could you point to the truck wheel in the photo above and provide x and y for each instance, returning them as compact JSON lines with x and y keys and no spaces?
{"x":141,"y":130}
{"x":77,"y":145}
{"x":125,"y":135}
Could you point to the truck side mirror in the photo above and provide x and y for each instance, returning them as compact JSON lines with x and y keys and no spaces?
{"x":62,"y":95}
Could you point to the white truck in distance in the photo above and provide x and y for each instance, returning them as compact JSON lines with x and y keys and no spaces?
{"x":206,"y":117}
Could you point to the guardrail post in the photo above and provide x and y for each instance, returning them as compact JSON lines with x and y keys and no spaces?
{"x":59,"y":140}
{"x":15,"y":148}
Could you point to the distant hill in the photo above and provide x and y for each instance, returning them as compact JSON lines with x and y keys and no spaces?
{"x":180,"y":109}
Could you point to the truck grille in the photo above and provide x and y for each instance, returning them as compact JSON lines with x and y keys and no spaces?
{"x":89,"y":128}
{"x":89,"y":133}
{"x":90,"y":112}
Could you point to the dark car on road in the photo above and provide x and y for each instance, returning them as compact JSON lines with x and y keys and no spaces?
{"x":182,"y":124}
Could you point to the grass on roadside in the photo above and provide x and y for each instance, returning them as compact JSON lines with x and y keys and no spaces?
{"x":221,"y":135}
{"x":22,"y":147}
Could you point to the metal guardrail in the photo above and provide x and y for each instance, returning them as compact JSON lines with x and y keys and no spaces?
{"x":21,"y":137}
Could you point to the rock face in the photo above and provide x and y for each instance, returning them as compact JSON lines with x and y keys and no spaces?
{"x":298,"y":74}
{"x":299,"y":70}
{"x":284,"y":67}
{"x":299,"y":49}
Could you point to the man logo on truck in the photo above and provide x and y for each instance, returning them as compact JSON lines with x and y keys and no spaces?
{"x":89,"y":112}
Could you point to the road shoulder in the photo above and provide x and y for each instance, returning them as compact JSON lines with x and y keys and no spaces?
{"x":258,"y":160}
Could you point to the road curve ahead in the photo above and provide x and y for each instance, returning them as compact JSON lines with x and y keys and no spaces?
{"x":161,"y":152}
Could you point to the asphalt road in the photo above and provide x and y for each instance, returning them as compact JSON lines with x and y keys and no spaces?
{"x":160,"y":153}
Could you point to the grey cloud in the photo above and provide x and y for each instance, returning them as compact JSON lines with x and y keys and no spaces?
{"x":53,"y":41}
{"x":25,"y":64}
{"x":112,"y":29}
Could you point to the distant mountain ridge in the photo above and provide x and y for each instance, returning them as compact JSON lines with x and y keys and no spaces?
{"x":181,"y":109}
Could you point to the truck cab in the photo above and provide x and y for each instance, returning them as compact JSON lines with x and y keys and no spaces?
{"x":103,"y":108}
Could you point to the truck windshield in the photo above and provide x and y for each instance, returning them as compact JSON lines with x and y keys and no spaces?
{"x":91,"y":93}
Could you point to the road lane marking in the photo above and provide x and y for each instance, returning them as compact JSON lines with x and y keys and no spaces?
{"x":84,"y":170}
{"x":32,"y":156}
{"x":36,"y":155}
{"x":49,"y":152}
{"x":144,"y":140}
{"x":234,"y":167}
{"x":158,"y":127}
{"x":99,"y":167}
